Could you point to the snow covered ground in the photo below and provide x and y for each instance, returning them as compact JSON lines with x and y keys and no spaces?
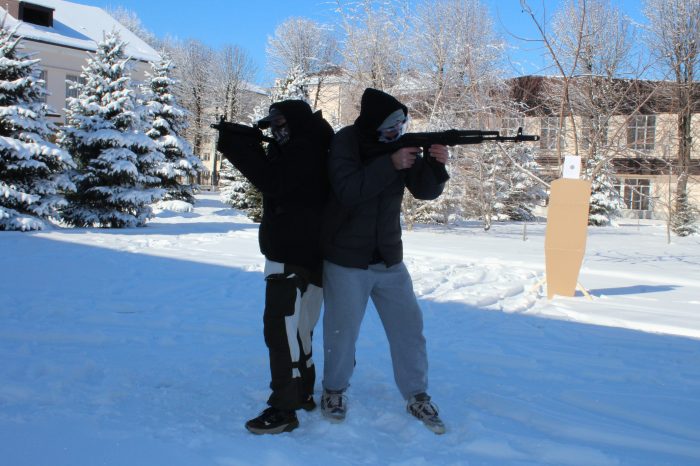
{"x":144,"y":347}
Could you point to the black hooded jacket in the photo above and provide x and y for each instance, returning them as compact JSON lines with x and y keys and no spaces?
{"x":293,"y":181}
{"x":362,"y":224}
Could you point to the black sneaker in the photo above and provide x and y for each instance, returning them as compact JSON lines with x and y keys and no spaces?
{"x":421,"y":407}
{"x":333,"y":405}
{"x":273,"y":421}
{"x":308,"y":403}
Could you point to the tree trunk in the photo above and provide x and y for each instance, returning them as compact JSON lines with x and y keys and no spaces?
{"x":684,"y":144}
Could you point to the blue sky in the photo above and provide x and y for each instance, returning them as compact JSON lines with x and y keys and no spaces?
{"x":248,"y":23}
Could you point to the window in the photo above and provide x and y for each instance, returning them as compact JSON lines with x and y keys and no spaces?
{"x":71,"y":79}
{"x":593,"y":129}
{"x":510,"y":125}
{"x":635,"y":192}
{"x":549,"y":133}
{"x":641,"y":131}
{"x":205,"y":177}
{"x":36,"y":14}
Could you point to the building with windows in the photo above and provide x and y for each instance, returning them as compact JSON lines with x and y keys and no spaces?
{"x":62,"y":34}
{"x":637,"y":131}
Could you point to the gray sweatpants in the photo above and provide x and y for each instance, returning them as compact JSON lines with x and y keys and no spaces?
{"x":346,"y":292}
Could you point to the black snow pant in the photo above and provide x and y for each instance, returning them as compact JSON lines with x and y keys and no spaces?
{"x":293,"y":298}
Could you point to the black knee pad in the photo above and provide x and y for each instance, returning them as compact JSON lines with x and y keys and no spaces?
{"x":280,"y":298}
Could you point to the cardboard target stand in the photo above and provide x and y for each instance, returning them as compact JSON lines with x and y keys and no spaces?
{"x":565,"y":237}
{"x":567,"y":229}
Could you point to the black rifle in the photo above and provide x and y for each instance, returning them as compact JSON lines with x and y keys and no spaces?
{"x":242,"y":130}
{"x":451,"y":137}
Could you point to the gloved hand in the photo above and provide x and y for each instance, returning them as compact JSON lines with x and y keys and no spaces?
{"x":233,"y":136}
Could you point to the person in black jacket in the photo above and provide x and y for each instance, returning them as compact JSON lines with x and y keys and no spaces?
{"x":292,"y":177}
{"x":363,"y":252}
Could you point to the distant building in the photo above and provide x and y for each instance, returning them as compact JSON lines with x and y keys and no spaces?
{"x":61,"y":33}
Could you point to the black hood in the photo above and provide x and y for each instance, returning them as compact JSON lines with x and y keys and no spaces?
{"x":374,"y":108}
{"x":303,"y":121}
{"x":298,"y":114}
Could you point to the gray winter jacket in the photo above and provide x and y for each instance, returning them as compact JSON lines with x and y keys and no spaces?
{"x":362,"y":220}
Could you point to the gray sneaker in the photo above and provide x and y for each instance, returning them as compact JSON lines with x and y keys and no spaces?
{"x":421,"y":407}
{"x":333,"y":405}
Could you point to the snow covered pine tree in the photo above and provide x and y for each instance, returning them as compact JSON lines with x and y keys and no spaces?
{"x":117,"y":162}
{"x":167,"y":122}
{"x":32,"y":170}
{"x":606,"y":203}
{"x":233,"y":186}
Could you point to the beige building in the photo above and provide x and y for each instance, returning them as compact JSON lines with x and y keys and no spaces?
{"x":640,"y":138}
{"x":62,"y":34}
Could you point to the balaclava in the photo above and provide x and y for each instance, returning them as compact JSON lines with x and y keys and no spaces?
{"x":375,"y":107}
{"x":298,"y":115}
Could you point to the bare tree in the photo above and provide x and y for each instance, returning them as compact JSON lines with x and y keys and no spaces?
{"x":458,"y":57}
{"x":674,"y":38}
{"x":375,"y":40}
{"x":591,"y":47}
{"x":302,"y":43}
{"x":233,"y":73}
{"x":598,"y":55}
{"x":303,"y":47}
{"x":565,"y":68}
{"x":195,"y":65}
{"x":455,"y":63}
{"x":130,"y":20}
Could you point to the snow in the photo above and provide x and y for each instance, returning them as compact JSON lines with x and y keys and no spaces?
{"x":175,"y":206}
{"x":144,"y":346}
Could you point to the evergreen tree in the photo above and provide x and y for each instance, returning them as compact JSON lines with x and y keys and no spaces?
{"x":606,"y":202}
{"x":117,"y":162}
{"x":502,"y":187}
{"x":32,"y":170}
{"x":292,"y":86}
{"x":524,"y":191}
{"x":255,"y":204}
{"x":685,"y":216}
{"x":233,"y":186}
{"x":167,"y":121}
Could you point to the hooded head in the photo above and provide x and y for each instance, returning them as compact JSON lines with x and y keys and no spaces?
{"x":297,"y":113}
{"x":375,"y":108}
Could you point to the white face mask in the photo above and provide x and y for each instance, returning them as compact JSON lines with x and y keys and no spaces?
{"x":392,"y":133}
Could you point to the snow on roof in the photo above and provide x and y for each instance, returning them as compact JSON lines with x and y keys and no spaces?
{"x":254,"y":88}
{"x":82,"y":27}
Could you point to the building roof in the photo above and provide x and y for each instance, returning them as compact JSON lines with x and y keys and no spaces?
{"x":635,"y":95}
{"x":81,"y":27}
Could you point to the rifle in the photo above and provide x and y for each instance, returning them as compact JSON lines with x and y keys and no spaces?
{"x":451,"y":137}
{"x":241,"y":130}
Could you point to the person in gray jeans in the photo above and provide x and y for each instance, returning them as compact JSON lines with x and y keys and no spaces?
{"x":363,"y":252}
